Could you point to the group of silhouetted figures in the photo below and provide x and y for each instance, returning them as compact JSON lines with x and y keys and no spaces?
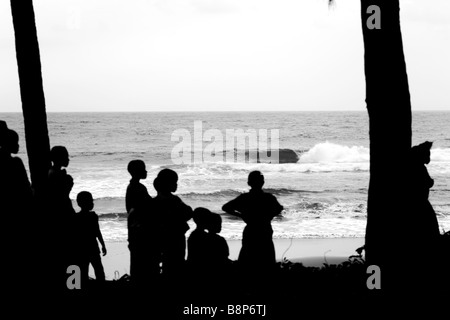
{"x":157,"y":228}
{"x":157,"y":225}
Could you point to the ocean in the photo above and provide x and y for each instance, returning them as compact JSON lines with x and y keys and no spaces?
{"x":324,"y":193}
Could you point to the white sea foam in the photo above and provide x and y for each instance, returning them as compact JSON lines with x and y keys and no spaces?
{"x":440,"y":155}
{"x":210,"y":177}
{"x":328,"y":152}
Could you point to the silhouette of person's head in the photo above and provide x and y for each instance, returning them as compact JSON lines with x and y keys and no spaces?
{"x":11,"y":141}
{"x":137,"y":169}
{"x":215,"y":223}
{"x":200,"y":217}
{"x":166,"y":181}
{"x":255,"y":180}
{"x":59,"y":156}
{"x":421,"y":153}
{"x":85,"y":201}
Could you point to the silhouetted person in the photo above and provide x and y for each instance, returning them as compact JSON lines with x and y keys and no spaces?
{"x":174,"y":214}
{"x":61,"y":213}
{"x":423,"y":227}
{"x":16,"y":188}
{"x":198,"y":244}
{"x":221,"y":268}
{"x":60,"y":183}
{"x":420,"y":185}
{"x":257,"y":208}
{"x":207,"y":249}
{"x":87,"y":231}
{"x":219,"y":253}
{"x":15,"y":199}
{"x":198,"y":250}
{"x":143,"y":239}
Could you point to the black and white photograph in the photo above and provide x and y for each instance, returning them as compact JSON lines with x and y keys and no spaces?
{"x":229,"y":159}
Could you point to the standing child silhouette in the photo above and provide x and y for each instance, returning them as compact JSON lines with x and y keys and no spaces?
{"x":61,"y":213}
{"x":420,"y":185}
{"x":219,"y":251}
{"x":142,"y":240}
{"x":17,"y":215}
{"x":60,"y":183}
{"x":174,"y":214}
{"x":88,"y":232}
{"x":257,"y":208}
{"x":422,"y":223}
{"x":198,"y":240}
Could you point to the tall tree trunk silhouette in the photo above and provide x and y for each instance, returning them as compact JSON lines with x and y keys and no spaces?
{"x":35,"y":230}
{"x":389,"y":108}
{"x":31,"y":92}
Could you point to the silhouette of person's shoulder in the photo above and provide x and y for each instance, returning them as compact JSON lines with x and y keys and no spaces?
{"x":92,"y":216}
{"x":273,"y":203}
{"x":249,"y":198}
{"x":187,"y":210}
{"x":171,"y":201}
{"x":176,"y":200}
{"x":261,"y":194}
{"x":136,"y":196}
{"x":56,"y":173}
{"x":173,"y":212}
{"x":56,"y":177}
{"x":269,"y":197}
{"x":14,"y":166}
{"x":241,"y":199}
{"x":197,"y":238}
{"x":199,"y":248}
{"x":87,"y":220}
{"x":136,"y":189}
{"x":240,"y":203}
{"x":136,"y":185}
{"x":198,"y":235}
{"x":18,"y":165}
{"x":15,"y":185}
{"x":87,"y":228}
{"x":219,"y":244}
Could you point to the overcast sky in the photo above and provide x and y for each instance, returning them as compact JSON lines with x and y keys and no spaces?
{"x":219,"y":55}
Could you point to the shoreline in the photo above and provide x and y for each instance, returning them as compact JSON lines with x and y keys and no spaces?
{"x":309,"y":252}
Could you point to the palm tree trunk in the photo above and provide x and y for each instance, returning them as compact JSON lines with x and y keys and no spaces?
{"x":35,"y":229}
{"x":31,"y":92}
{"x":389,"y":107}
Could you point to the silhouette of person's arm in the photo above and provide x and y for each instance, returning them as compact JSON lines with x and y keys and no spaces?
{"x":234,"y":207}
{"x":276,"y":206}
{"x":133,"y":219}
{"x":99,"y":236}
{"x":187,"y":211}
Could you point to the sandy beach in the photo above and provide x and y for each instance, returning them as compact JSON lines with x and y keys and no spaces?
{"x":310,"y":252}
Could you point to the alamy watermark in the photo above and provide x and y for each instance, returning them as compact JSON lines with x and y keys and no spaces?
{"x":230,"y":145}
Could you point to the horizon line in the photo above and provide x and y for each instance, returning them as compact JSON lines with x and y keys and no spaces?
{"x":222,"y":111}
